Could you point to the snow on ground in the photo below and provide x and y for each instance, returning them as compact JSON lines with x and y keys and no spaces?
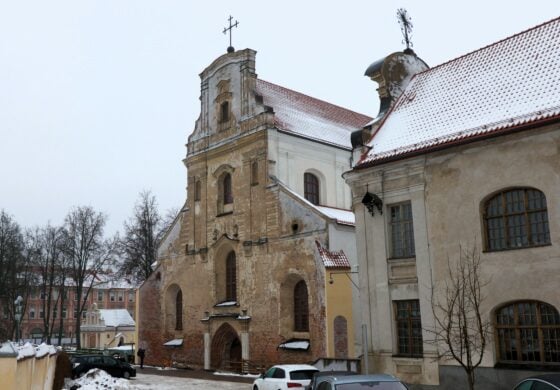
{"x":96,"y":379}
{"x":99,"y":380}
{"x":157,"y":382}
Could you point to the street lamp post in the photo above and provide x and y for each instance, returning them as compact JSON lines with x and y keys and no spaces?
{"x":18,"y":302}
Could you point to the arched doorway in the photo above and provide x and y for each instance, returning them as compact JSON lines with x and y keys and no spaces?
{"x":226,"y":349}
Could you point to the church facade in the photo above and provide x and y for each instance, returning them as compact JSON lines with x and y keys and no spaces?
{"x":242,"y":274}
{"x":464,"y":165}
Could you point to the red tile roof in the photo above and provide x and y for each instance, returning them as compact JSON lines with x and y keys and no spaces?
{"x":510,"y":84}
{"x":308,"y":117}
{"x":336,"y":260}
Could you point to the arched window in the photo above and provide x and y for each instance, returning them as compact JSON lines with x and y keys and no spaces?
{"x":231,"y":278}
{"x":301,"y":307}
{"x":227,"y":194}
{"x":179,"y":311}
{"x":516,"y":218}
{"x":311,"y":187}
{"x":224,"y":112}
{"x":528,"y":332}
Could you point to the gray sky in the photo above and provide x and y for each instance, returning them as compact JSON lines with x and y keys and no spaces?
{"x":97,"y":98}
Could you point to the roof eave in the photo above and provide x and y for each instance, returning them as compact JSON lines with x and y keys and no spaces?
{"x":461,"y":141}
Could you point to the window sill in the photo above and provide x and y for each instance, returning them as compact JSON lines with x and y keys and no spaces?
{"x":517,"y":248}
{"x":408,"y":357}
{"x":401,"y":259}
{"x":224,"y":214}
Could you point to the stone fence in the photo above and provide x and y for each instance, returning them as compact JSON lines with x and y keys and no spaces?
{"x":27,"y":367}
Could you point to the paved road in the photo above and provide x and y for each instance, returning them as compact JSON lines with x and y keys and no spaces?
{"x":168,"y":382}
{"x":153,"y":378}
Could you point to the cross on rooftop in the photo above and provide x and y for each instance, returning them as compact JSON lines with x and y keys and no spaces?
{"x":230,"y":49}
{"x":406,"y":26}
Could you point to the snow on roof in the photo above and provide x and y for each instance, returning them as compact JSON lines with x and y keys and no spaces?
{"x":44,"y":349}
{"x":333,"y":259}
{"x":7,"y":349}
{"x":509,"y":84}
{"x":122,"y":348}
{"x":228,"y":303}
{"x":116,"y":317}
{"x":26,"y":350}
{"x":295,"y":344}
{"x":341,"y":216}
{"x":309,"y":117}
{"x":174,"y":343}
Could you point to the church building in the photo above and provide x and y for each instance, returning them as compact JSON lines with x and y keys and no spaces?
{"x":462,"y":167}
{"x":266,"y":231}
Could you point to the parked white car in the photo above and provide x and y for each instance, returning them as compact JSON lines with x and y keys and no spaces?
{"x":284,"y":377}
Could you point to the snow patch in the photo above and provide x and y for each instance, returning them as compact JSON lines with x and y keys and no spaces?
{"x":96,"y":379}
{"x":301,"y":345}
{"x":25,"y":351}
{"x":174,"y":343}
{"x":228,"y":303}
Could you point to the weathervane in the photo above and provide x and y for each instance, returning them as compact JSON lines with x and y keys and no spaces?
{"x":230,"y":49}
{"x":406,"y":26}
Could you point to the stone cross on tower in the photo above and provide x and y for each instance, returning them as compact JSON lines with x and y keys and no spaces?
{"x":406,"y":26}
{"x":230,"y":49}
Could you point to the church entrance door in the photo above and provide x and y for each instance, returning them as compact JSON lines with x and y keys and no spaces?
{"x":226,"y":349}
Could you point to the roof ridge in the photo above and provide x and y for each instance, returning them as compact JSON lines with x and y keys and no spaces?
{"x":485,"y":47}
{"x":314,"y":98}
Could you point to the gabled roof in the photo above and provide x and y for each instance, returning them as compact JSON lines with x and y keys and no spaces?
{"x":310,"y":118}
{"x":340,"y":216}
{"x":508,"y":85}
{"x":116,"y":317}
{"x":336,"y":260}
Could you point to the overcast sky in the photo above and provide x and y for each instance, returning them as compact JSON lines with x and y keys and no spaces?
{"x":97,"y":98}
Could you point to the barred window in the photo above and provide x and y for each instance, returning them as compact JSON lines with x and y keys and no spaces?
{"x":231,"y":278}
{"x":311,"y":187}
{"x":179,"y":311}
{"x":528,"y":332}
{"x":409,"y":328}
{"x":301,"y":307}
{"x":401,"y":230}
{"x":516,"y":219}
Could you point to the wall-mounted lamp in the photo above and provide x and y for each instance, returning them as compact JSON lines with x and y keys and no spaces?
{"x":372,"y":201}
{"x":347,"y":273}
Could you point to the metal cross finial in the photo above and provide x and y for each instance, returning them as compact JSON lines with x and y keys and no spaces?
{"x":230,"y":49}
{"x":406,"y":26}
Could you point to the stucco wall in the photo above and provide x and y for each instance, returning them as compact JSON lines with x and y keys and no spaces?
{"x":447,"y":190}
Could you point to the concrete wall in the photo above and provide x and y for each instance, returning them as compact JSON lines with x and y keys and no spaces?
{"x":30,"y":373}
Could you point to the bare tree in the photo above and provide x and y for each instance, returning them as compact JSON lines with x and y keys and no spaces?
{"x":142,"y":235}
{"x":461,"y":331}
{"x":87,"y":253}
{"x":15,"y":273}
{"x":46,"y":251}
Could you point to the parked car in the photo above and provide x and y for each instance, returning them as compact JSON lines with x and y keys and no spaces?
{"x":360,"y":382}
{"x":540,"y":382}
{"x":114,"y":367}
{"x":285,"y":376}
{"x":319,"y":376}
